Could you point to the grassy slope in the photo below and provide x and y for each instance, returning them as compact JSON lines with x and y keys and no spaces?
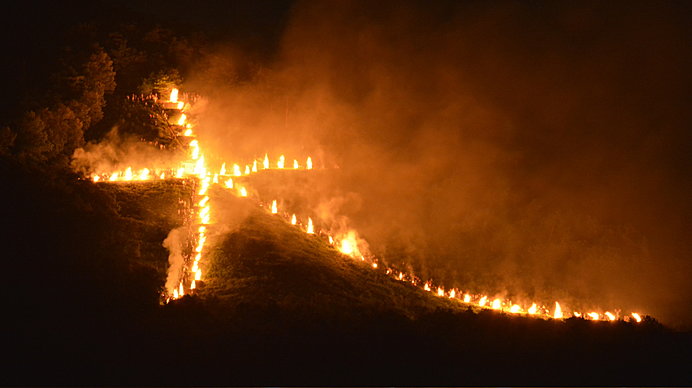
{"x":282,"y":307}
{"x":268,"y":261}
{"x":150,"y":211}
{"x":279,"y":307}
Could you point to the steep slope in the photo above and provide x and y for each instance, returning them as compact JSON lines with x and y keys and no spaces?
{"x":279,"y":306}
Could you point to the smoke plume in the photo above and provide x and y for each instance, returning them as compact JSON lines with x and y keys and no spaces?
{"x":117,"y":152}
{"x":174,"y":242}
{"x":519,"y":149}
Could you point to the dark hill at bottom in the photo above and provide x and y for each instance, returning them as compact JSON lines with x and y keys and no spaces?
{"x":282,"y":307}
{"x":278,"y":307}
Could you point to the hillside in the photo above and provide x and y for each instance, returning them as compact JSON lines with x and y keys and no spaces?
{"x":278,"y":306}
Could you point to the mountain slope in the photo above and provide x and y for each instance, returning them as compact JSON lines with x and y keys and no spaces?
{"x":279,"y":306}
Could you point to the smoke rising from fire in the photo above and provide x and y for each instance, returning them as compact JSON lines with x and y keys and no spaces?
{"x":116,"y":152}
{"x":526,"y":150}
{"x":174,"y":242}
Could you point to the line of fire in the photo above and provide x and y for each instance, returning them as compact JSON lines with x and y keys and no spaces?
{"x":231,"y":177}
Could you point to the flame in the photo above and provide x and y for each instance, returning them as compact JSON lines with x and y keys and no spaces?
{"x":204,"y":215}
{"x":483,"y":301}
{"x":194,"y":146}
{"x":349,"y":244}
{"x":198,"y":275}
{"x":204,"y":187}
{"x":128,"y":174}
{"x":533,"y":309}
{"x":200,"y":170}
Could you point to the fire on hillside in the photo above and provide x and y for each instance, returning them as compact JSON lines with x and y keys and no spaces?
{"x":228,"y":176}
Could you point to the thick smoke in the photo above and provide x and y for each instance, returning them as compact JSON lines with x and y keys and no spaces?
{"x":174,"y":242}
{"x":533,"y":151}
{"x":116,"y":152}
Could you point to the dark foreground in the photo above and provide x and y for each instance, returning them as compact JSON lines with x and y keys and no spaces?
{"x":85,"y":266}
